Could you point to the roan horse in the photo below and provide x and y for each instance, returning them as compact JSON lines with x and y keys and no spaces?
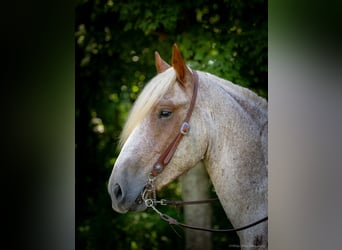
{"x":227,"y":129}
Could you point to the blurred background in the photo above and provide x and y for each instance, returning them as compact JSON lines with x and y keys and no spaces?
{"x":42,"y":54}
{"x":115,"y":43}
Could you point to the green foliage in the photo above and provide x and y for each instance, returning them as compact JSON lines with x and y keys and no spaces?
{"x":115,"y":43}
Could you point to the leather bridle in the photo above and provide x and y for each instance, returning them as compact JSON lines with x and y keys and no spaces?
{"x":149,"y":193}
{"x":167,"y":155}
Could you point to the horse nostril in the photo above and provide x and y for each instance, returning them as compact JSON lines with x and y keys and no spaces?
{"x":117,"y":192}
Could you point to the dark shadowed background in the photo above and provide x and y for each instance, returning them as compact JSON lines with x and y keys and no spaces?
{"x":115,"y":44}
{"x":40,"y":81}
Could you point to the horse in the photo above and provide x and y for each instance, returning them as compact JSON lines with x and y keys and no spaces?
{"x":183,"y":117}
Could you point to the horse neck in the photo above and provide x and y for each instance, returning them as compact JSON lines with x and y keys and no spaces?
{"x":236,"y":157}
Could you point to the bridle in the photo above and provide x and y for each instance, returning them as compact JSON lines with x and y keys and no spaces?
{"x":166,"y":156}
{"x":149,"y":193}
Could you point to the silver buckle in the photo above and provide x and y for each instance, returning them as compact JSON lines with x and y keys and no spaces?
{"x":149,"y":203}
{"x":185,"y":128}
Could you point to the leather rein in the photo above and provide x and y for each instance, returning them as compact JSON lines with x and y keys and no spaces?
{"x":149,"y":193}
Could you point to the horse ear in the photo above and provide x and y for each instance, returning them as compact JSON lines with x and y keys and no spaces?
{"x":182,"y":71}
{"x":161,"y":65}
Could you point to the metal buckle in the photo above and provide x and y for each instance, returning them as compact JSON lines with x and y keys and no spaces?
{"x":185,"y":128}
{"x":161,"y":202}
{"x":149,"y":202}
{"x":158,"y":168}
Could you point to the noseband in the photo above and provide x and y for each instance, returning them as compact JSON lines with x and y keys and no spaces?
{"x":149,"y":193}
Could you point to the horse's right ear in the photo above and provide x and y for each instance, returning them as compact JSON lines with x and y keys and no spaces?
{"x":161,"y":65}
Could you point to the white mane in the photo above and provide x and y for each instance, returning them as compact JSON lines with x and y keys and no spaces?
{"x":151,"y":94}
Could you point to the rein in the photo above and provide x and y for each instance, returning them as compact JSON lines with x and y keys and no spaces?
{"x":149,"y":193}
{"x":149,"y":197}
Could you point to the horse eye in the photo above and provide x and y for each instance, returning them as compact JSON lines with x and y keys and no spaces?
{"x":164,"y":114}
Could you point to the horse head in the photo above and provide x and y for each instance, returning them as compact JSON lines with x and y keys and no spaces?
{"x":152,"y":127}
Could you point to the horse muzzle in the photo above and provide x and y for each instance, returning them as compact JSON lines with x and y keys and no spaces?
{"x":122,"y":201}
